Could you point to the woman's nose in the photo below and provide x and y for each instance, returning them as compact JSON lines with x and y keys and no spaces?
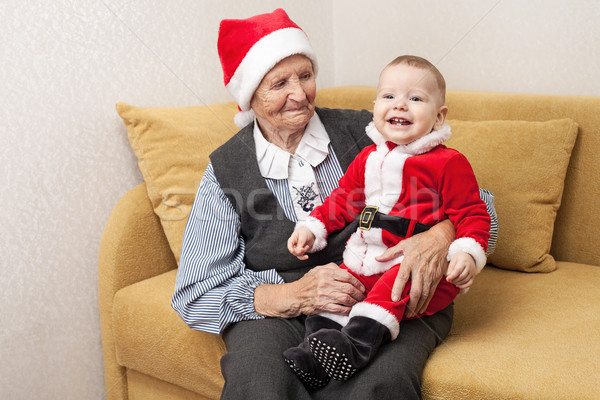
{"x":297,"y":91}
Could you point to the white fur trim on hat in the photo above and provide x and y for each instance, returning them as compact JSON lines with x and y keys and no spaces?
{"x":318,"y":229}
{"x":379,"y":314}
{"x":243,"y":118}
{"x":469,"y":246}
{"x":262,"y":57}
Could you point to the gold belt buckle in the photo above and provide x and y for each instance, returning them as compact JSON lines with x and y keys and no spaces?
{"x":366,"y":217}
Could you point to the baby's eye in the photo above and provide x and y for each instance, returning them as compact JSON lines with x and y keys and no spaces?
{"x":387,"y":97}
{"x":415,"y":98}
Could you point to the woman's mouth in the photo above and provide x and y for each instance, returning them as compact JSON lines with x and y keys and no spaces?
{"x":296,"y":108}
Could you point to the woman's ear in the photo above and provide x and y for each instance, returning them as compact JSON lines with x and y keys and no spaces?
{"x":440,"y":118}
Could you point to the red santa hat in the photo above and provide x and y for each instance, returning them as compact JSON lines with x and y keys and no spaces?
{"x":250,"y":48}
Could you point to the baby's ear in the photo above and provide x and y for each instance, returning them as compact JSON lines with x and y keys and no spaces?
{"x":440,"y":118}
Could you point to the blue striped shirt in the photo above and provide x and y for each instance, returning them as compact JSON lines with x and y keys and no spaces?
{"x":213,"y":287}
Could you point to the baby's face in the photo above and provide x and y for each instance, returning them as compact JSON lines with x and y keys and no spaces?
{"x":408,"y":105}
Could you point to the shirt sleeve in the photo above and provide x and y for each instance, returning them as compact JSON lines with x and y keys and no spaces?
{"x":213,"y":287}
{"x":488,"y":199}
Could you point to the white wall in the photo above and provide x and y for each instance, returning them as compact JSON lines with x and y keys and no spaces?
{"x":64,"y":152}
{"x":66,"y":160}
{"x":525,"y":46}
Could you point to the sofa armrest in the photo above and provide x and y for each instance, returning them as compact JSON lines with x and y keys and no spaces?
{"x":133,"y":248}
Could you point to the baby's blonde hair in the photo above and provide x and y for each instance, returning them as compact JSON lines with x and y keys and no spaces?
{"x":421,"y":63}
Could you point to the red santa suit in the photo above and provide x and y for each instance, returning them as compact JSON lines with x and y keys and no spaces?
{"x":423,"y":181}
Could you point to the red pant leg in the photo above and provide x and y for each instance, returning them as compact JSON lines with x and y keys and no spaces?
{"x":444,"y":295}
{"x":368,"y":281}
{"x":379,"y":292}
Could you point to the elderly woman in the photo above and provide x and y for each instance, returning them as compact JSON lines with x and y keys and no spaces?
{"x":236,"y":276}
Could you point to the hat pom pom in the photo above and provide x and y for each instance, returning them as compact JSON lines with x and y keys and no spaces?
{"x":243,"y":118}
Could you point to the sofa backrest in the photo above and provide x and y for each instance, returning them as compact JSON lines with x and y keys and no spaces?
{"x":577,"y":226}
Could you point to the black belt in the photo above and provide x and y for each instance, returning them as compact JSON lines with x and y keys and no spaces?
{"x":399,"y":226}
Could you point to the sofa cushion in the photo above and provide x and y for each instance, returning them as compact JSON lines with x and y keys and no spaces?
{"x":172,"y":147}
{"x":152,"y":339}
{"x":144,"y":387}
{"x":522,"y":336}
{"x":524,"y":165}
{"x":515,"y":335}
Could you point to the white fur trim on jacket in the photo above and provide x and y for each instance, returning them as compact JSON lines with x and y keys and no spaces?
{"x":374,"y":134}
{"x":340,"y":319}
{"x":469,"y":246}
{"x":318,"y":229}
{"x":361,"y":250}
{"x":419,"y":146}
{"x":354,"y":252}
{"x":379,"y":314}
{"x":383,"y":178}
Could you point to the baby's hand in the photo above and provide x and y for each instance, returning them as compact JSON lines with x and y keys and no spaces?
{"x":300,"y":242}
{"x":461,"y":271}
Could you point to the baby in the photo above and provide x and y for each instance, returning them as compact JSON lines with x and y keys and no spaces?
{"x":404,"y":183}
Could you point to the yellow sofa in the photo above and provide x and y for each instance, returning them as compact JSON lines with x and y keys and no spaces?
{"x":516,"y":334}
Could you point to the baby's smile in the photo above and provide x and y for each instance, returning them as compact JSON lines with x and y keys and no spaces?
{"x":399,"y":121}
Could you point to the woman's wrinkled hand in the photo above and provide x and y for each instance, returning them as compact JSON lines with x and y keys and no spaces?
{"x":326,"y":288}
{"x":424,"y":264}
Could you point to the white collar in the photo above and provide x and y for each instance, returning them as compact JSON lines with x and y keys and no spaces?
{"x":419,"y":146}
{"x":273,"y":161}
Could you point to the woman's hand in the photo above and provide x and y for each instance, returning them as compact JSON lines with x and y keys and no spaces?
{"x":424,"y":264}
{"x":326,"y":288}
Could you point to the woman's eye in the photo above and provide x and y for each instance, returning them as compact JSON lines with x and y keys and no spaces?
{"x":306,"y":76}
{"x":279,"y":84}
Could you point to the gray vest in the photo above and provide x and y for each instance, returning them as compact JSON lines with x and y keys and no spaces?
{"x":264,"y":226}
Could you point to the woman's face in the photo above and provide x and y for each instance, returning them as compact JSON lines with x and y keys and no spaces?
{"x":285,"y":98}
